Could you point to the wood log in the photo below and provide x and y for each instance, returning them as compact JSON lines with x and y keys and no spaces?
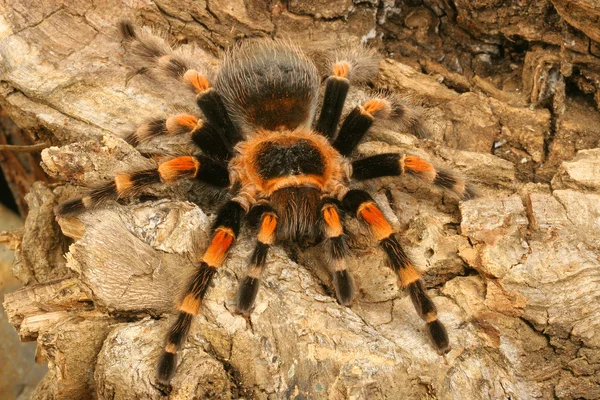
{"x":20,"y":168}
{"x":514,"y":273}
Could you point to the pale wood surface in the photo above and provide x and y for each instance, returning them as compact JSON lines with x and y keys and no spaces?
{"x":515,"y":273}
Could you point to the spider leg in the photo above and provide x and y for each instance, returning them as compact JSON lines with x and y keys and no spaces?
{"x":175,"y":125}
{"x":265,"y":237}
{"x":224,"y":232}
{"x":336,"y":90}
{"x":213,"y":108}
{"x":203,"y":133}
{"x":354,"y":64}
{"x":360,"y":204}
{"x":357,"y":123}
{"x":153,"y":52}
{"x":200,"y":167}
{"x":337,"y":248}
{"x":394,"y":164}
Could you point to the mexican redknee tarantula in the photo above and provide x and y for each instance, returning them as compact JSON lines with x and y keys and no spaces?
{"x":285,"y":170}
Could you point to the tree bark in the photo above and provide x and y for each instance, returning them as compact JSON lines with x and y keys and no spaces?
{"x":21,"y":167}
{"x":508,"y":96}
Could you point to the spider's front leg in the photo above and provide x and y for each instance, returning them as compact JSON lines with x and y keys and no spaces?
{"x":264,"y":217}
{"x":360,"y":204}
{"x":337,"y":249}
{"x":224,"y":232}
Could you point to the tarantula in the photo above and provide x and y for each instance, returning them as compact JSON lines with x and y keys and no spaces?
{"x":288,"y":174}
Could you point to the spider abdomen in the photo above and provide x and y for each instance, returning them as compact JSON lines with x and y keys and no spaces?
{"x":269,"y":85}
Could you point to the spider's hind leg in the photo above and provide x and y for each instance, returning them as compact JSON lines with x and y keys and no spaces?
{"x":360,"y":204}
{"x":217,"y":135}
{"x":152,"y":52}
{"x":336,"y":90}
{"x":354,"y":64}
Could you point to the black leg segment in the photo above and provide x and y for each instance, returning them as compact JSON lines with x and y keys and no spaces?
{"x":361,"y":205}
{"x":394,"y":164}
{"x":336,"y":90}
{"x":214,"y":110}
{"x":337,"y":249}
{"x":358,"y":122}
{"x":225,"y":230}
{"x":376,"y":166}
{"x":265,"y":237}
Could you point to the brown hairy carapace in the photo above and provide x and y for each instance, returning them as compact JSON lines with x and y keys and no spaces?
{"x":285,"y":167}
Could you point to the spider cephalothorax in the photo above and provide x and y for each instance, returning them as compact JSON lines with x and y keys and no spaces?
{"x":292,"y":169}
{"x":285,"y":170}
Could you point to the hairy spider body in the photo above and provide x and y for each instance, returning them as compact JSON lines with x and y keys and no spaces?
{"x":287,"y":172}
{"x":271,"y":85}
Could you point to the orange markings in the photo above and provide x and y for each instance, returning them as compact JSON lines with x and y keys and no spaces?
{"x":275,"y":184}
{"x":198,"y":81}
{"x":123,"y":184}
{"x":220,"y":244}
{"x":420,"y":166}
{"x":332,"y":221}
{"x":266,"y":234}
{"x":190,"y":304}
{"x":375,"y":106}
{"x":187,"y":120}
{"x":171,"y":348}
{"x":408,"y":274}
{"x":341,"y":69}
{"x":417,"y":164}
{"x":373,"y":216}
{"x":180,"y":167}
{"x":430,"y":316}
{"x":250,"y":149}
{"x":181,"y":124}
{"x":87,"y":201}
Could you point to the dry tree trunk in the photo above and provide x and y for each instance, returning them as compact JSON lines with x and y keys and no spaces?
{"x":510,"y":98}
{"x":21,"y":168}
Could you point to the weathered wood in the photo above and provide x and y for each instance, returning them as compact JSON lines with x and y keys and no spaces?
{"x":50,"y":297}
{"x":20,"y":170}
{"x":515,"y":273}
